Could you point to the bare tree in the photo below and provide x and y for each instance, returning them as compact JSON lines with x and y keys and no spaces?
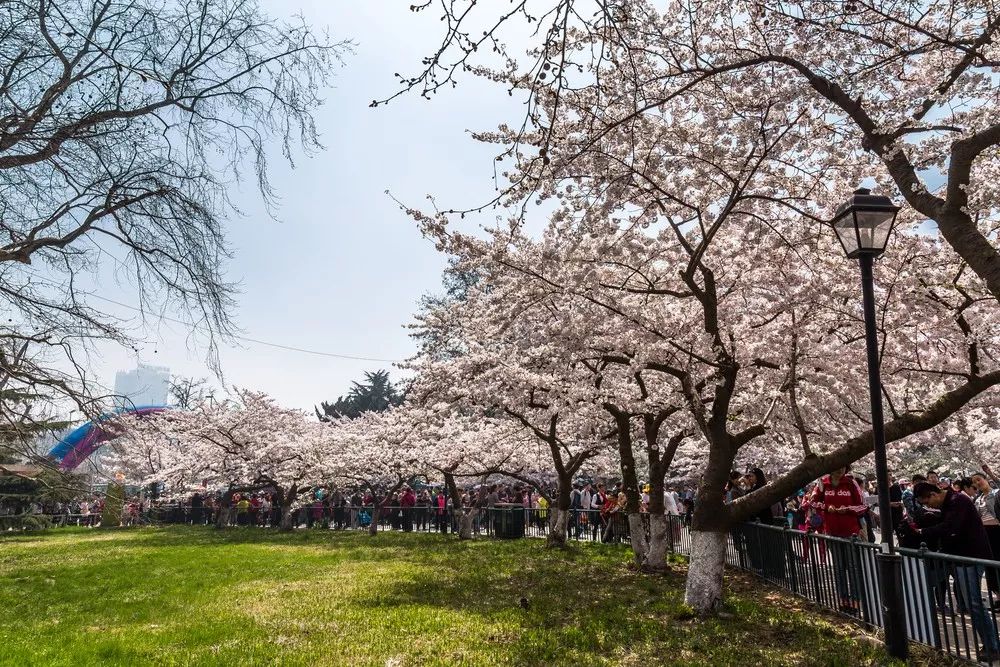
{"x":122,"y":122}
{"x":186,"y":392}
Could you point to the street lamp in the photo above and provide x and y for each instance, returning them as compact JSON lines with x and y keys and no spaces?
{"x":863,"y":224}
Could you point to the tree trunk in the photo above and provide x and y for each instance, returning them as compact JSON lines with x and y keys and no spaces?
{"x":465,"y":519}
{"x":560,"y":522}
{"x":709,"y":535}
{"x":656,"y":554}
{"x":287,"y":518}
{"x":630,"y":484}
{"x":637,"y":537}
{"x":114,"y":503}
{"x":287,"y":513}
{"x":703,"y":592}
{"x":464,"y":515}
{"x":557,"y":528}
{"x":225,"y":507}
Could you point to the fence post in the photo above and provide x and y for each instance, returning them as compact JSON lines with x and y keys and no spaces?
{"x":792,"y":565}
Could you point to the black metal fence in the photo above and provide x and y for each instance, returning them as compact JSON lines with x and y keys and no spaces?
{"x":951,"y":602}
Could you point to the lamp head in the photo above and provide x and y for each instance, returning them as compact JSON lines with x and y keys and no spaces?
{"x":863,"y":223}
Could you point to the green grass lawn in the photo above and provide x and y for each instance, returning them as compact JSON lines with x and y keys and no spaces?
{"x":196,"y":596}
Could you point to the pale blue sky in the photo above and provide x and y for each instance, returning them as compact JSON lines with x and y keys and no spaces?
{"x":343,"y":270}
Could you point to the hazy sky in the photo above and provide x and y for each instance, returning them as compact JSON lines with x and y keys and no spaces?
{"x":344,"y":268}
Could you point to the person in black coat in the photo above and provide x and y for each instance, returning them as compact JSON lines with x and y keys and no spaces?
{"x":197,"y":504}
{"x":896,"y":504}
{"x":962,"y":534}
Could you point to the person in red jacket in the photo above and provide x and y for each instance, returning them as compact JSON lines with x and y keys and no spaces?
{"x":407,"y":501}
{"x":440,"y":502}
{"x":841,"y":503}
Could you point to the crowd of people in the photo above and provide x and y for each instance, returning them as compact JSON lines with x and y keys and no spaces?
{"x":594,"y":509}
{"x":83,"y":511}
{"x":598,"y":514}
{"x":958,"y":517}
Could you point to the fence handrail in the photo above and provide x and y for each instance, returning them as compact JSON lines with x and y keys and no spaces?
{"x":950,"y":558}
{"x":856,"y":539}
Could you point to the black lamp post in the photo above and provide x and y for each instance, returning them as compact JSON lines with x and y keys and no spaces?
{"x":863,"y":224}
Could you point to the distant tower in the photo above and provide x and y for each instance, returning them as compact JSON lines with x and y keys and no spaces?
{"x":146,"y":385}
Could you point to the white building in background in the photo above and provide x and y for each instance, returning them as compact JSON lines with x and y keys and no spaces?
{"x":146,"y":385}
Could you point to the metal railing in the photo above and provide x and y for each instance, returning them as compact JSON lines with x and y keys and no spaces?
{"x":951,"y":603}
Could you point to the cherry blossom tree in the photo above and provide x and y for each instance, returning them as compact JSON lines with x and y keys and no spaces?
{"x":426,"y":439}
{"x":378,"y":450}
{"x":746,"y":337}
{"x":462,"y":446}
{"x":510,"y":367}
{"x":904,"y":92}
{"x":242,"y":445}
{"x":726,"y":130}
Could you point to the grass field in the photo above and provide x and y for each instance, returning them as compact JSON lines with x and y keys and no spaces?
{"x":196,"y":596}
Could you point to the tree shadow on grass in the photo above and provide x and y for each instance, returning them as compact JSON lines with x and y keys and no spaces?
{"x":582,"y":614}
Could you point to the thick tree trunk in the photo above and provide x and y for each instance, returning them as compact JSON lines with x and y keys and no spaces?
{"x":560,"y":522}
{"x":465,"y":520}
{"x":637,"y":537}
{"x":656,"y":490}
{"x":709,"y":535}
{"x":558,"y":528}
{"x":656,"y":555}
{"x":287,"y":518}
{"x":464,"y":515}
{"x":114,"y":503}
{"x":287,"y":513}
{"x":962,"y":233}
{"x":703,"y":592}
